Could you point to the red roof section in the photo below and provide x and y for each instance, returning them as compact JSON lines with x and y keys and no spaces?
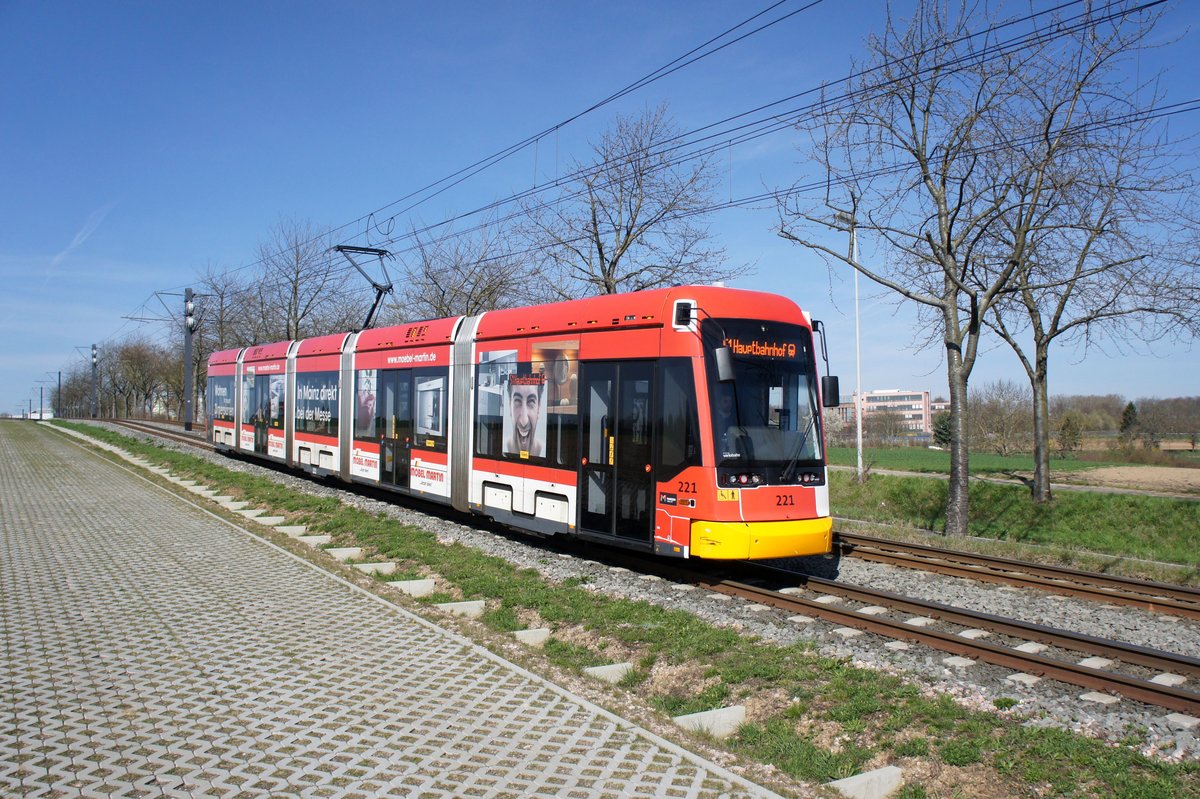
{"x":322,"y":345}
{"x":266,"y":352}
{"x":224,"y":356}
{"x":412,"y":334}
{"x":652,"y":308}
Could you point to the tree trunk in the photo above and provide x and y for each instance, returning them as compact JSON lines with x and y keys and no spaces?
{"x":958,"y":502}
{"x":1041,"y":426}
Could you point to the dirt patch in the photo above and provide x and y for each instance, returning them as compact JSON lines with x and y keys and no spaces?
{"x":1162,"y":479}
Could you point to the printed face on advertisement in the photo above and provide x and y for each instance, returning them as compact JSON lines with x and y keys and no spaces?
{"x":526,"y":404}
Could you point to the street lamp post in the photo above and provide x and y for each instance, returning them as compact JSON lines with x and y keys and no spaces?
{"x":848,"y":219}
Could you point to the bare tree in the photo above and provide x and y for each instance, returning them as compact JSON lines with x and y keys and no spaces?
{"x":630,"y":220}
{"x":952,"y":148}
{"x":1000,"y":418}
{"x":906,"y":150}
{"x":302,"y":289}
{"x":461,"y":274}
{"x":1099,"y":215}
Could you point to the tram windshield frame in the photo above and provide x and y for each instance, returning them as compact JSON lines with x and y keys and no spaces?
{"x":768,"y":418}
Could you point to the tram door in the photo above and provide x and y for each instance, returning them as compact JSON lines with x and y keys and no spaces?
{"x":396,"y":446}
{"x":616,"y":481}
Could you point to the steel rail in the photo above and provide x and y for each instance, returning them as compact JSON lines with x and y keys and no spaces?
{"x":1052,"y":636}
{"x":1029,"y":663}
{"x":143,"y":427}
{"x":1159,"y":597}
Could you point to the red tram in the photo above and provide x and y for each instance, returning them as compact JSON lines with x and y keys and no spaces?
{"x":682,"y":421}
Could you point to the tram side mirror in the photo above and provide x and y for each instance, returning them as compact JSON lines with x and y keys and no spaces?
{"x":683,"y":314}
{"x":830,"y":397}
{"x":724,"y":357}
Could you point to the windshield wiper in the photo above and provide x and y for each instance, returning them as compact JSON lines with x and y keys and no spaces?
{"x":786,"y":474}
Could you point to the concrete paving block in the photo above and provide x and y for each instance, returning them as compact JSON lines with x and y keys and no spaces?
{"x":270,"y":521}
{"x":535,"y":637}
{"x":251,"y":513}
{"x":612,"y":673}
{"x":792,"y":590}
{"x":872,"y":610}
{"x":1182,"y":721}
{"x":315,"y":540}
{"x":757,"y":608}
{"x":417,"y":588}
{"x":1031,"y":647}
{"x":920,"y":621}
{"x":974,"y":635}
{"x":1021,"y":678}
{"x":345,"y":553}
{"x":1096,"y":663}
{"x":877,"y":784}
{"x":801,"y":619}
{"x":848,"y":632}
{"x":720,"y":597}
{"x":1171,"y":680}
{"x":293,"y":530}
{"x":896,"y":646}
{"x":472,"y":609}
{"x":683,"y":587}
{"x":719,"y":723}
{"x":386,"y":567}
{"x":234,"y":505}
{"x":1099,"y":698}
{"x":222,"y":498}
{"x":828,"y":599}
{"x":187,"y":483}
{"x":957,"y":662}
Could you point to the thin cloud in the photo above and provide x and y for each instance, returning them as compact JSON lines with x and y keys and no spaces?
{"x":90,"y":226}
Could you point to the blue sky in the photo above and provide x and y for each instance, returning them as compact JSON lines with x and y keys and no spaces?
{"x":141,"y":142}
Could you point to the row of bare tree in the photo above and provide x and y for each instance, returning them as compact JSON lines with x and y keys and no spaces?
{"x":1015,"y":181}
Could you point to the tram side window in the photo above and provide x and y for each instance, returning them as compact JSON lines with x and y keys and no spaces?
{"x":557,"y":363}
{"x":220,"y":398}
{"x":367,"y":425}
{"x":679,"y":445}
{"x":430,"y":407}
{"x":491,"y":382}
{"x":262,"y":400}
{"x":317,"y":403}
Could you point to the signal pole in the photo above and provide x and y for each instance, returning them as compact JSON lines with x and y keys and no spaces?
{"x":189,"y":388}
{"x":95,"y":360}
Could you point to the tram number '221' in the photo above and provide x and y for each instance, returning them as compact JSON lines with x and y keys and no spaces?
{"x":686,"y":487}
{"x":784,"y":499}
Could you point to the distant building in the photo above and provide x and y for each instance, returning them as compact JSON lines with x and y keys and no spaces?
{"x":913,"y":408}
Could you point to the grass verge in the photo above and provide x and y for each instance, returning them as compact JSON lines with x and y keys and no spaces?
{"x":1124,"y":525}
{"x":811,"y":717}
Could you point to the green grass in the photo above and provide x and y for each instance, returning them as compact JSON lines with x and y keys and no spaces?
{"x":861,"y":712}
{"x":1124,"y":525}
{"x":918,"y":459}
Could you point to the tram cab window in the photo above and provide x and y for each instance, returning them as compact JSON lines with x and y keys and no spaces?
{"x":430,"y":407}
{"x":679,"y":442}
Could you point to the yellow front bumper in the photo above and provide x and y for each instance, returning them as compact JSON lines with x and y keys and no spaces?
{"x":757,"y":540}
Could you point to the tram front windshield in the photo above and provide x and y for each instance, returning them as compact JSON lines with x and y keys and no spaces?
{"x":767,"y":417}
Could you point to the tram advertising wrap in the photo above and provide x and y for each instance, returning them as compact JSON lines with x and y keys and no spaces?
{"x":685,"y":422}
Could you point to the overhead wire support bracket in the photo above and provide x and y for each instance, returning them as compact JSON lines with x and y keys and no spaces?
{"x":381,"y":289}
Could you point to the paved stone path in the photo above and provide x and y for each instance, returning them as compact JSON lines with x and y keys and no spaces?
{"x":148,"y":648}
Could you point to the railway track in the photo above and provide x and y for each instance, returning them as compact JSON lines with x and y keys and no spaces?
{"x":1175,"y":600}
{"x":1148,"y":675}
{"x":194,"y":439}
